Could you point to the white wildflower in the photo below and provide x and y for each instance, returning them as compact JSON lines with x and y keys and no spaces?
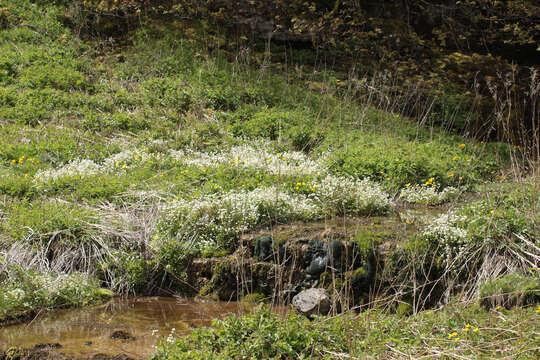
{"x":208,"y":219}
{"x":75,"y":168}
{"x":348,"y":195}
{"x":445,"y":228}
{"x":255,"y":156}
{"x":82,"y":168}
{"x":428,"y":194}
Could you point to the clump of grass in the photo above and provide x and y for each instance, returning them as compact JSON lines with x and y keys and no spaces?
{"x":42,"y":222}
{"x":512,"y":290}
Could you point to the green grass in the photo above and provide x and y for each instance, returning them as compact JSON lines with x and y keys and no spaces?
{"x":98,"y":141}
{"x":457,"y":331}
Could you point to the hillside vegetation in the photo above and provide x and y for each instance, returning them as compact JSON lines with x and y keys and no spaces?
{"x":142,"y":152}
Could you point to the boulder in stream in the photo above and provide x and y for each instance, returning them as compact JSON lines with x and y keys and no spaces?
{"x":312,"y":302}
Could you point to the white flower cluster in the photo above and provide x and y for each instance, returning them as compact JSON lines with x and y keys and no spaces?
{"x":428,"y":195}
{"x":81,"y":168}
{"x":342,"y":195}
{"x":46,"y":288}
{"x":76,"y":168}
{"x":445,"y":230}
{"x":209,"y":219}
{"x":256,"y":156}
{"x":14,"y":295}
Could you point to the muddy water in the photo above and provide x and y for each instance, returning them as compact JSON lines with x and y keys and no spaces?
{"x":86,"y":332}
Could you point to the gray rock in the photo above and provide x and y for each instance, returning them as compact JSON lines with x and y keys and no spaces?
{"x":312,"y":302}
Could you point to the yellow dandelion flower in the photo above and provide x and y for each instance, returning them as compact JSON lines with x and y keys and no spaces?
{"x":476,"y":329}
{"x":13,"y":162}
{"x":461,"y":145}
{"x":451,"y":175}
{"x":387,"y":179}
{"x":492,"y":212}
{"x":408,"y":185}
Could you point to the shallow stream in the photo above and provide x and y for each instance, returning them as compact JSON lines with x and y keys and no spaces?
{"x":87,"y":331}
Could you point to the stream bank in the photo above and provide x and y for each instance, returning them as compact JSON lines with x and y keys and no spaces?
{"x":120,"y":329}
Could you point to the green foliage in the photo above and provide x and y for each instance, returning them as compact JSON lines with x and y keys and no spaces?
{"x":260,"y":335}
{"x":406,"y":161}
{"x":511,"y":290}
{"x":469,"y":331}
{"x":165,"y":86}
{"x":54,"y":76}
{"x":44,"y":221}
{"x":501,"y":215}
{"x":127,"y":271}
{"x":25,"y":291}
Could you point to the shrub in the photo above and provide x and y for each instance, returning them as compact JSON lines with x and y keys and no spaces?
{"x":472,"y":242}
{"x":127,"y":271}
{"x":27,"y":290}
{"x":167,"y":92}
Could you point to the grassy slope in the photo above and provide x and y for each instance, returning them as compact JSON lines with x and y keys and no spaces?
{"x":89,"y":133}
